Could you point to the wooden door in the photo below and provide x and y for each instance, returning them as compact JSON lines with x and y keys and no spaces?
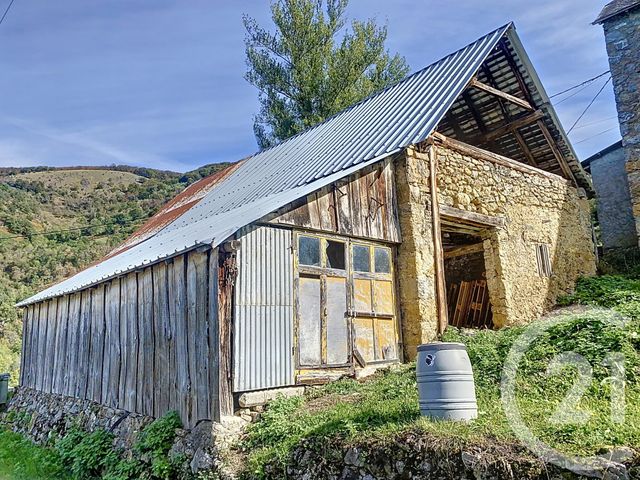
{"x":323,"y":326}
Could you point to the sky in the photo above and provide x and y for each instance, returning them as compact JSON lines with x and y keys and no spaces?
{"x":160,"y":83}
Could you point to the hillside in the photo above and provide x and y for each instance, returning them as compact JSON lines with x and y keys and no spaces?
{"x":53,"y":222}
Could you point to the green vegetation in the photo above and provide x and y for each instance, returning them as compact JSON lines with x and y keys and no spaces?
{"x":310,"y":67}
{"x":386,"y":405}
{"x":22,"y":460}
{"x":88,"y":211}
{"x":81,"y":455}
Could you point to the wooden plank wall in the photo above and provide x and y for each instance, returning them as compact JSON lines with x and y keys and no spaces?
{"x":361,"y":205}
{"x":145,"y":342}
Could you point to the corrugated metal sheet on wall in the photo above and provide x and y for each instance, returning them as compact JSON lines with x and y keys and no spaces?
{"x":263,"y":318}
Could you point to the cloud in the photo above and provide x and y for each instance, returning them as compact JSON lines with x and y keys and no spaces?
{"x":161,"y":83}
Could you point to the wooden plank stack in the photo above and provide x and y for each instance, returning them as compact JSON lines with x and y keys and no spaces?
{"x":469,"y":305}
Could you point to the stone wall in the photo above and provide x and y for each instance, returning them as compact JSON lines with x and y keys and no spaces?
{"x":416,"y":454}
{"x":617,"y":225}
{"x":416,"y":278}
{"x":622,"y":35}
{"x":538,"y":208}
{"x":43,"y":416}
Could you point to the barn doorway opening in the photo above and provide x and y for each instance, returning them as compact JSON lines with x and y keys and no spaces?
{"x":468,"y":301}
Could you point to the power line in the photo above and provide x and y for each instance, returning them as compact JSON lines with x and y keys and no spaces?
{"x":602,"y":120}
{"x":86,"y":227}
{"x":6,"y":11}
{"x":572,"y":95}
{"x":580,"y":84}
{"x":593,"y":136}
{"x":589,"y":106}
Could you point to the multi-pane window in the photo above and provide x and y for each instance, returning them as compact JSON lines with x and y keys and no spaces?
{"x":373,"y":303}
{"x":345,"y":301}
{"x":323,"y":326}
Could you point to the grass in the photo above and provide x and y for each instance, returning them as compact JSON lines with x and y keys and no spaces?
{"x":20,"y":459}
{"x":387,"y":404}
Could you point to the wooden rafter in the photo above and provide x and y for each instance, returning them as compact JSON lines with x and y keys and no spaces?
{"x":475,"y":83}
{"x":474,"y":112}
{"x":525,"y":148}
{"x":556,"y":152}
{"x":516,"y":72}
{"x":512,"y":126}
{"x":508,"y":117}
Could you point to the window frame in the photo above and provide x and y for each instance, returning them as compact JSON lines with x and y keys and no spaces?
{"x":350,"y":276}
{"x":543,"y":260}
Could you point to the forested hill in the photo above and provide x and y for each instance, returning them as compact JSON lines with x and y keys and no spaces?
{"x":55,"y":221}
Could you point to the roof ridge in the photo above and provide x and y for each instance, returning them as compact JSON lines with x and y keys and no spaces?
{"x":504,"y":27}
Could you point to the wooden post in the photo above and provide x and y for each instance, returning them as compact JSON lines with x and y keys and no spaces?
{"x":227,"y":273}
{"x":438,"y":254}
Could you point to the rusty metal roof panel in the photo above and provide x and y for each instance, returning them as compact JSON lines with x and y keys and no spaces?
{"x":403,"y":114}
{"x":180,"y":204}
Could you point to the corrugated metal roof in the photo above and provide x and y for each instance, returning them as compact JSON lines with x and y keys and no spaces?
{"x":403,"y":114}
{"x":180,"y":204}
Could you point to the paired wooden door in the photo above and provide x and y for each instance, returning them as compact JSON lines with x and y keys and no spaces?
{"x":345,"y":301}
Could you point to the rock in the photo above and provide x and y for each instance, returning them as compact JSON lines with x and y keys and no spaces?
{"x":620,"y":454}
{"x":202,"y":460}
{"x":353,"y":457}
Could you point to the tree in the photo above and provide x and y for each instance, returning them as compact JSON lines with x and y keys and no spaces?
{"x":310,"y":69}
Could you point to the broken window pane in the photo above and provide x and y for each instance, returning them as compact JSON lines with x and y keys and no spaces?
{"x":309,"y":251}
{"x":335,"y":255}
{"x":361,"y":260}
{"x":383,"y":260}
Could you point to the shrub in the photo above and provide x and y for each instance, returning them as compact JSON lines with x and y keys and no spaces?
{"x":87,"y":455}
{"x":92,"y":455}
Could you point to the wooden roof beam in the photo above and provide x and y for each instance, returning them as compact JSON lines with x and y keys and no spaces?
{"x":525,"y":148}
{"x":512,"y":126}
{"x":464,"y":250}
{"x":475,"y":83}
{"x":564,"y":165}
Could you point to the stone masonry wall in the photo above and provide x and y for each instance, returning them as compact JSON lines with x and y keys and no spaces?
{"x":617,"y":224}
{"x":537,"y":208}
{"x":416,"y":278}
{"x":622,"y":36}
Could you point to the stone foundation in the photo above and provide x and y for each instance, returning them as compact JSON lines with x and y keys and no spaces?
{"x":44,"y":416}
{"x":419,"y":455}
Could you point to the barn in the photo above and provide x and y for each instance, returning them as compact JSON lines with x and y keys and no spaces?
{"x":452,"y":197}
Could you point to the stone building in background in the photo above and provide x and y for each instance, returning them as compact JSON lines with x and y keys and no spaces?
{"x":615,"y":215}
{"x":621,"y":22}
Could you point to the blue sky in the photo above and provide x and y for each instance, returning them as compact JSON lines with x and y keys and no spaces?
{"x":160,"y":83}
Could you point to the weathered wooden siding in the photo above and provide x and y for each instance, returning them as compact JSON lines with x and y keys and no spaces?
{"x":361,"y":205}
{"x":145,"y":342}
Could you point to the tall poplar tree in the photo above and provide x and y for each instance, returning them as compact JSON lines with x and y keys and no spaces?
{"x":311,"y":67}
